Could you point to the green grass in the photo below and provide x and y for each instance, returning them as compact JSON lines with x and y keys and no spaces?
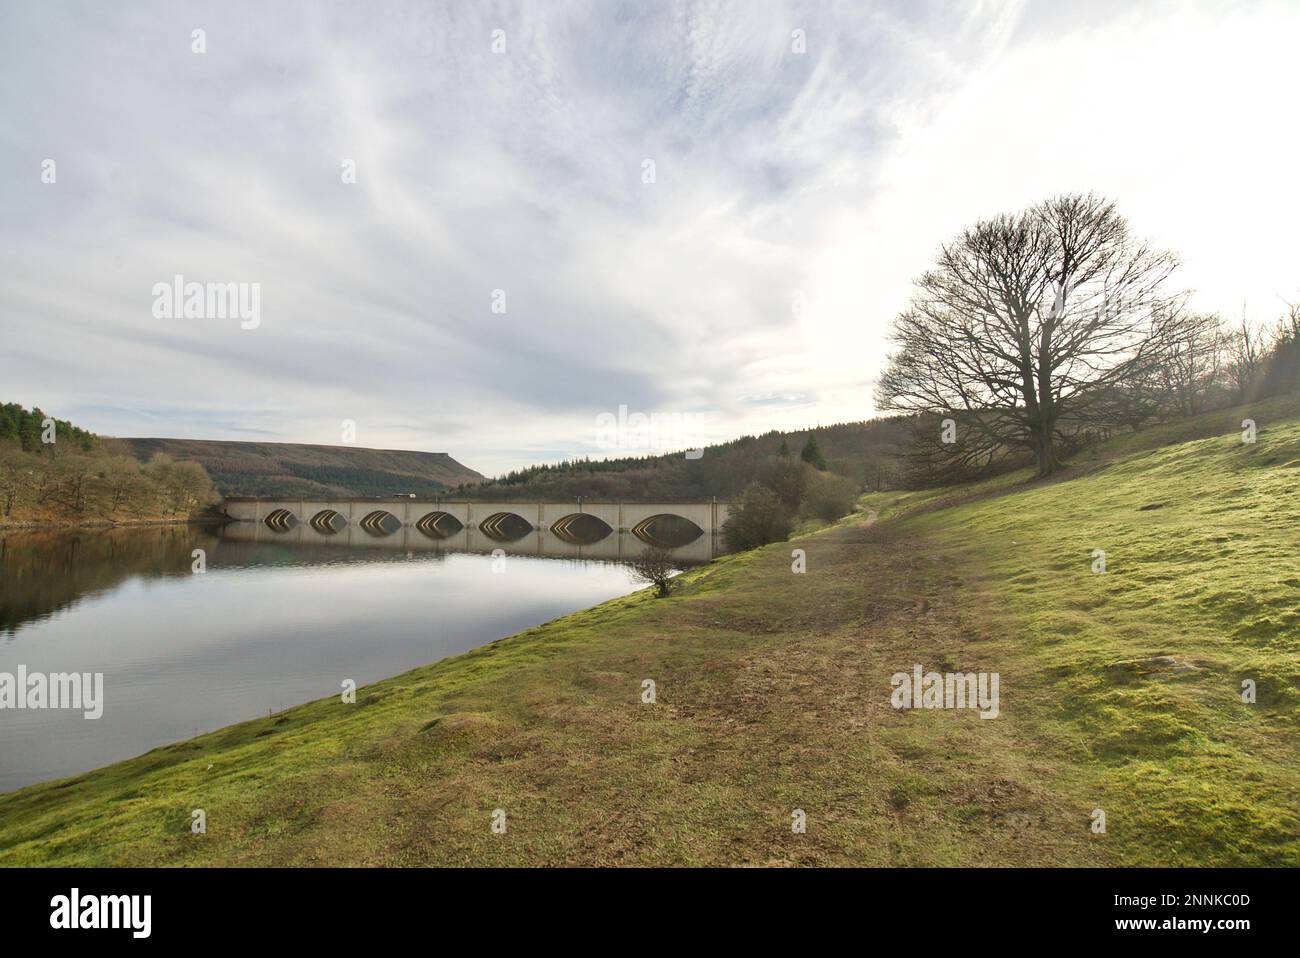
{"x":1119,"y":691}
{"x":1138,"y":672}
{"x":1202,"y":543}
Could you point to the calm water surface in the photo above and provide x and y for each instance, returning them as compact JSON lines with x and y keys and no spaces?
{"x":267,"y":626}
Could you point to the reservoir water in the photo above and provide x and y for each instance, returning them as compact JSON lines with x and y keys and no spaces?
{"x":269,"y":624}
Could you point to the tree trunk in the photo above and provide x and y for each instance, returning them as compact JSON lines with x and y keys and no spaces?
{"x":1047,"y":461}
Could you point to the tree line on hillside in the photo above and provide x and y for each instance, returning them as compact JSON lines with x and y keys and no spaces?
{"x":862,"y":452}
{"x":52,"y":471}
{"x":770,"y":487}
{"x":26,"y":427}
{"x":1039,"y":332}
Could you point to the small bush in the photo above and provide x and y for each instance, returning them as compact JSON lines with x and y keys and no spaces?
{"x":757,"y":518}
{"x":829,"y":497}
{"x":655,"y":566}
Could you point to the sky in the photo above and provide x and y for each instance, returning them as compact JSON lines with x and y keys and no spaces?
{"x":570,"y":214}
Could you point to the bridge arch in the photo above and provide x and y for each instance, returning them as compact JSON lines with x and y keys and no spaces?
{"x":667,"y":531}
{"x":280,"y":520}
{"x":505,"y":526}
{"x":328,"y":521}
{"x":381,"y":523}
{"x":439,"y":525}
{"x":581,"y":528}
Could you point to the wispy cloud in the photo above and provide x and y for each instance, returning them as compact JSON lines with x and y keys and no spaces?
{"x":795,"y":195}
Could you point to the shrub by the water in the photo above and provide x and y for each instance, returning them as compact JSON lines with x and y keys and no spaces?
{"x":656,"y":566}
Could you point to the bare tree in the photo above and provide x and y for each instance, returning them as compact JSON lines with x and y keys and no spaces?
{"x":1288,"y":327}
{"x":17,"y":478}
{"x":1191,"y":356}
{"x":1025,"y":322}
{"x":656,"y":566}
{"x":119,"y":484}
{"x":1246,"y":347}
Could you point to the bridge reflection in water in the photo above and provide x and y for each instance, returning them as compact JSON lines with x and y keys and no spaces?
{"x":577,"y":529}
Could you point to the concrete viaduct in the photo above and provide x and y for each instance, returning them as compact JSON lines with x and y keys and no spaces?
{"x":582,"y":527}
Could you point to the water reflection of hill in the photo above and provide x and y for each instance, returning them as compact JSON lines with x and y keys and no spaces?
{"x":44,"y":572}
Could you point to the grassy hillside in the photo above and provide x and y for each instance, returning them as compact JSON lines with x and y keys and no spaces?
{"x":1119,"y":691}
{"x":1136,"y":674}
{"x":293,"y":469}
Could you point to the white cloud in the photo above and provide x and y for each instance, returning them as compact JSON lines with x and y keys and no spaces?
{"x":833,"y":175}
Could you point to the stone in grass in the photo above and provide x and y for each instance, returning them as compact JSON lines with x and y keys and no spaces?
{"x":1155,"y":665}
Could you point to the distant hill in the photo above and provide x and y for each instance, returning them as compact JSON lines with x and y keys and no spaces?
{"x":862,"y":451}
{"x":295,"y":469}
